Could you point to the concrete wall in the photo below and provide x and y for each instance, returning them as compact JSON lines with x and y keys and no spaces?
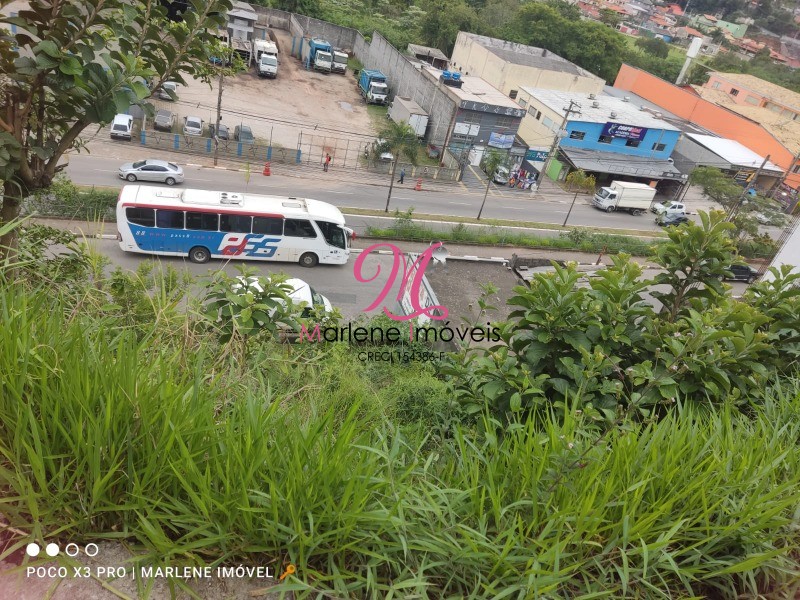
{"x":406,"y":80}
{"x":533,"y":131}
{"x":471,"y":58}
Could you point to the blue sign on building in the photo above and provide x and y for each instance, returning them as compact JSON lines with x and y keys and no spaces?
{"x":536,"y":155}
{"x":499,"y":140}
{"x":628,"y":132}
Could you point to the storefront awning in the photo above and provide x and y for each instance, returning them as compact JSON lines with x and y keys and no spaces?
{"x":621,"y":164}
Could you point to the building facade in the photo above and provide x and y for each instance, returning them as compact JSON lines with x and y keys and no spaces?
{"x":508,"y":66}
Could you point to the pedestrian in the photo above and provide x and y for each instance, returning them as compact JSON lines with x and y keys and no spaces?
{"x":402,"y":175}
{"x":327,"y":162}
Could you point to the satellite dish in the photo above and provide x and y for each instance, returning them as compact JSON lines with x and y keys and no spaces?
{"x":440,"y":254}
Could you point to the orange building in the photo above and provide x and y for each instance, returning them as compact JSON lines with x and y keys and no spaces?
{"x":723,"y":121}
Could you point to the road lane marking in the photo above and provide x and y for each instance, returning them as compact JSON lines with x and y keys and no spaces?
{"x":461,"y":203}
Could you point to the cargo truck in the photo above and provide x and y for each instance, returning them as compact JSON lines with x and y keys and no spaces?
{"x":405,"y":110}
{"x":318,"y":55}
{"x":339,"y":62}
{"x":372,"y":85}
{"x":634,"y":198}
{"x":266,"y":55}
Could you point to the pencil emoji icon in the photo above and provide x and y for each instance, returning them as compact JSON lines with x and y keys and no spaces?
{"x":290,"y":570}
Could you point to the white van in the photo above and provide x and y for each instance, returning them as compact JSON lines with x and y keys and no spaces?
{"x":122,"y":127}
{"x":268,"y":65}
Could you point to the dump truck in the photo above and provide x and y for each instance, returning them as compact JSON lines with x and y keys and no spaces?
{"x":339,"y":62}
{"x":405,"y":110}
{"x":318,"y":55}
{"x":372,"y":85}
{"x":634,"y":198}
{"x":266,"y":56}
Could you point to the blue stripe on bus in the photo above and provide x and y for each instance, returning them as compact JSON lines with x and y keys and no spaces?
{"x":256,"y":245}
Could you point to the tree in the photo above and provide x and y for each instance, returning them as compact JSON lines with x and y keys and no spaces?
{"x":610,"y":17}
{"x":401,"y":140}
{"x":443,"y":20}
{"x":491,"y":161}
{"x":74,"y":64}
{"x":655,"y":46}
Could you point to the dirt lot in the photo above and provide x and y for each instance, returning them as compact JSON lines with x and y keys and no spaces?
{"x":316,"y":112}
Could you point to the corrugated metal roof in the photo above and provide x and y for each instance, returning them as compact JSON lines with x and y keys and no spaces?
{"x":733,"y":152}
{"x":621,"y":164}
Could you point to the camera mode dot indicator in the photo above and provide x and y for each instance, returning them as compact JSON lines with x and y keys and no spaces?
{"x":32,"y":549}
{"x":51,"y":549}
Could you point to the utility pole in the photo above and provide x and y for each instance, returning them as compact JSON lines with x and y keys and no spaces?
{"x":554,"y":148}
{"x":219,"y":116}
{"x":748,"y":184}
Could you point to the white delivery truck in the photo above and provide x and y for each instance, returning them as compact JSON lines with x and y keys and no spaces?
{"x":405,"y":110}
{"x":265,"y":53}
{"x":634,"y":198}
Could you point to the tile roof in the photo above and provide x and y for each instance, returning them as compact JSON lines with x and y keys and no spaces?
{"x":765,"y":88}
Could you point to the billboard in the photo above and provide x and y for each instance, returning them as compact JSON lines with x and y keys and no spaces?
{"x":536,"y":155}
{"x":499,"y":140}
{"x":628,"y":132}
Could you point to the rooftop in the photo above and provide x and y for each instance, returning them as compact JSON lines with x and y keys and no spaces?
{"x":528,"y":56}
{"x":416,"y":49}
{"x":621,"y":164}
{"x":678,"y":122}
{"x":783,"y":128}
{"x":765,"y":88}
{"x":242,"y":10}
{"x":628,"y":113}
{"x":475,"y":89}
{"x":733,"y":152}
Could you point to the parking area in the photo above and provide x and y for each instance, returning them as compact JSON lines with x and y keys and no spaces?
{"x":314,"y":112}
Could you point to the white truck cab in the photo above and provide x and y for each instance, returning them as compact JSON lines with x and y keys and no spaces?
{"x":268,"y":65}
{"x":323,"y":61}
{"x":122,"y":127}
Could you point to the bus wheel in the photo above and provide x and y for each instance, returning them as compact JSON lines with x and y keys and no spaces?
{"x":131,"y":177}
{"x":309,"y":259}
{"x":198,"y":254}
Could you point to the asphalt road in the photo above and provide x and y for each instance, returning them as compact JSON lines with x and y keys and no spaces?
{"x":337,"y":282}
{"x":502,"y":203}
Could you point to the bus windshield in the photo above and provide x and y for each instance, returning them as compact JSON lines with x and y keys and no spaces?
{"x":333,"y":234}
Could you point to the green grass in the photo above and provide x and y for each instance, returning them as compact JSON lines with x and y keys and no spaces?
{"x":161,"y":437}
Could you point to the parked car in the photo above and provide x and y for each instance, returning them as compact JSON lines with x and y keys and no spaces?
{"x":165,"y":89}
{"x":152,"y":170}
{"x":122,"y":127}
{"x":243,"y":133}
{"x":192,"y":126}
{"x":667,"y":220}
{"x":301,"y":294}
{"x":223,"y":131}
{"x":670,"y":208}
{"x":775,"y":219}
{"x":500,"y":175}
{"x":742,"y":273}
{"x":164,"y":120}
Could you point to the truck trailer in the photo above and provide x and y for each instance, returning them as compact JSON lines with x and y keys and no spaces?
{"x":634,"y":198}
{"x":372,"y":85}
{"x":405,"y":110}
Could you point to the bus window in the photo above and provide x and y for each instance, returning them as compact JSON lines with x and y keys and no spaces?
{"x":169,"y":219}
{"x":299,"y":228}
{"x":332,"y":233}
{"x":202,"y":221}
{"x":268,"y":225}
{"x":234,"y":223}
{"x":146,"y":217}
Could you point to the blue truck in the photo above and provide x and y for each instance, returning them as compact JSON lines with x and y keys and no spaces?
{"x":372,"y":85}
{"x":318,"y":55}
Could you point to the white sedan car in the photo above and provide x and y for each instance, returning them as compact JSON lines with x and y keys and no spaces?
{"x":192,"y":126}
{"x":160,"y":171}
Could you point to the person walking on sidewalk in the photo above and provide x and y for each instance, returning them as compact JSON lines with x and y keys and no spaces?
{"x":327,"y":162}
{"x":402,"y":175}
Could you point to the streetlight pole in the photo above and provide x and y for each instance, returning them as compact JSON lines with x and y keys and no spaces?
{"x":554,"y":148}
{"x":569,"y":212}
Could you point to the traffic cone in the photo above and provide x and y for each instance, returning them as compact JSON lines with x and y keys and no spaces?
{"x":418,"y":187}
{"x":267,"y":169}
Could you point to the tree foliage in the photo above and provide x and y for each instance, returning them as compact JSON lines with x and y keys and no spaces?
{"x":655,"y":46}
{"x":74,"y":64}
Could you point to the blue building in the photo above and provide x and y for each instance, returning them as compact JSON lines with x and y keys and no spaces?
{"x":609,"y":137}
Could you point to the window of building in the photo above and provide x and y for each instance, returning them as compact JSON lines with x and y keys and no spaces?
{"x":234,"y":223}
{"x":752,"y":100}
{"x":548,"y":122}
{"x":659,"y":147}
{"x":795,"y":169}
{"x":202,"y":221}
{"x":522,"y":103}
{"x":512,"y":94}
{"x":734,"y":92}
{"x":504,"y":123}
{"x":268,"y":225}
{"x":632,"y":143}
{"x":169,"y":219}
{"x":605,"y":139}
{"x":577,"y":135}
{"x":534,"y":113}
{"x":299,"y":228}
